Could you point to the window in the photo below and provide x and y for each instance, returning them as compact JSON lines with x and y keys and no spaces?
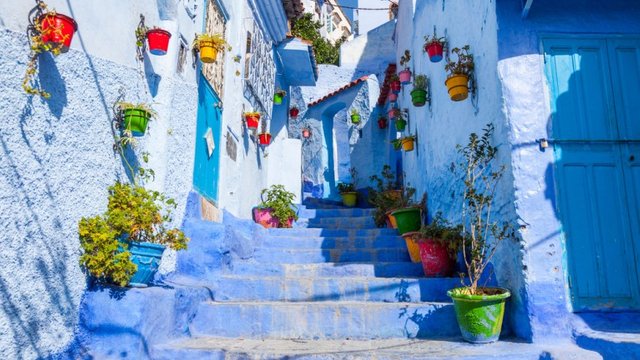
{"x":215,"y":24}
{"x":182,"y":55}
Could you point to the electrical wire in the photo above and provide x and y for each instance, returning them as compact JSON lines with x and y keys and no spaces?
{"x":361,"y":8}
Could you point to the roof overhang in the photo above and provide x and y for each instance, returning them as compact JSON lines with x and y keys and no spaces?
{"x":526,"y":6}
{"x":270,"y":15}
{"x":298,"y":62}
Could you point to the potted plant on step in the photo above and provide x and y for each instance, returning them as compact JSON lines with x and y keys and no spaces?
{"x":434,"y":47}
{"x":278,"y":96}
{"x":264,"y":138}
{"x":419,"y":95}
{"x":384,"y":195}
{"x":382,"y":122}
{"x":209,"y":46}
{"x":408,"y":143}
{"x":408,"y":215}
{"x":355,"y":117}
{"x":460,"y":72}
{"x":394,"y":83}
{"x":438,"y":245}
{"x":347,"y":190}
{"x":125,"y":244}
{"x":405,"y":75}
{"x":294,"y":111}
{"x":480,"y":309}
{"x":276,"y":209}
{"x":135,"y":117}
{"x":252,"y":119}
{"x":158,"y":40}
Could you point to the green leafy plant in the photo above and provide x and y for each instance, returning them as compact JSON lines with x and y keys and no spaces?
{"x":420,"y":82}
{"x":281,"y":92}
{"x":354,"y":111}
{"x":443,"y":232}
{"x":434,"y":38}
{"x":134,"y":214}
{"x":397,"y":143}
{"x":126,"y":138}
{"x":280,"y":201}
{"x":404,"y":59}
{"x":308,"y":29}
{"x":345,"y":187}
{"x":482,"y":234}
{"x":464,"y":65}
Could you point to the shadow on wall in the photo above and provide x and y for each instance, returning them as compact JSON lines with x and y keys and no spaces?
{"x":51,"y":80}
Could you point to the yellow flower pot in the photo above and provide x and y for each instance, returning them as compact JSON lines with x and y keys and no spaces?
{"x":413,"y":247}
{"x":208,"y":53}
{"x":458,"y":86}
{"x":349,"y":199}
{"x":407,"y":144}
{"x":392,"y":219}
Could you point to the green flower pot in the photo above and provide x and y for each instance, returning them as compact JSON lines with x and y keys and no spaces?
{"x":355,"y":119}
{"x":136,"y":120}
{"x":408,"y":219}
{"x":349,"y":198}
{"x":277,"y":99}
{"x":419,"y":97}
{"x":401,"y":124}
{"x":479,"y":316}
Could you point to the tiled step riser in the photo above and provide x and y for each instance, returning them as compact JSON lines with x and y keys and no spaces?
{"x":324,"y":321}
{"x":294,"y":242}
{"x":339,"y":223}
{"x":380,"y":270}
{"x":333,"y":213}
{"x":335,"y":289}
{"x":316,"y":232}
{"x":288,"y":256}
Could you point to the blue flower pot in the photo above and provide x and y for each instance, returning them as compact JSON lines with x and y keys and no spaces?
{"x":147,"y":258}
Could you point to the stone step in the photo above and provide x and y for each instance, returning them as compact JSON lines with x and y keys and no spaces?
{"x":332,"y":213}
{"x":242,"y":288}
{"x":324,"y":320}
{"x":315,"y":232}
{"x":361,"y":269}
{"x":214,"y":348}
{"x":319,"y":242}
{"x":306,"y":256}
{"x":358,"y":222}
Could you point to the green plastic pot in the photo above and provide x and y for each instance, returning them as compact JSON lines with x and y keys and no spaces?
{"x":136,"y":120}
{"x":408,"y":219}
{"x":419,"y":97}
{"x":349,"y":198}
{"x":355,"y":119}
{"x":401,"y":124}
{"x":479,"y":316}
{"x":277,"y":99}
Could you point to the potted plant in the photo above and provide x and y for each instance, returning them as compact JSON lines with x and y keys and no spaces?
{"x":57,"y":30}
{"x":479,"y":309}
{"x":385,"y":196}
{"x":460,"y":72}
{"x":434,"y":47}
{"x":392,"y":97}
{"x":382,"y":122}
{"x":397,"y":144}
{"x":125,"y":244}
{"x":277,"y":209}
{"x":355,"y":117}
{"x":401,"y":123}
{"x":278,"y":96}
{"x":408,"y":215}
{"x":252,"y":118}
{"x":264,"y":138}
{"x":348,"y":193}
{"x":209,"y":46}
{"x":158,"y":40}
{"x":419,"y":93}
{"x":408,"y":143}
{"x":395,"y":83}
{"x":306,"y":132}
{"x":293,"y":112}
{"x":438,"y":244}
{"x":393,"y":112}
{"x":405,"y":75}
{"x":135,"y":117}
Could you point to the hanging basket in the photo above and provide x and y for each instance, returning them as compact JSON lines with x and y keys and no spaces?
{"x":396,"y":86}
{"x":382,"y":123}
{"x":458,"y":86}
{"x":58,"y":30}
{"x":401,"y":124}
{"x":393,"y":97}
{"x":419,"y":97}
{"x":252,"y":121}
{"x":264,"y":139}
{"x":434,"y":49}
{"x":158,"y":40}
{"x":355,"y":118}
{"x":208,"y":51}
{"x":408,"y":144}
{"x":277,"y":98}
{"x":405,"y":76}
{"x":293,"y":112}
{"x":136,"y":121}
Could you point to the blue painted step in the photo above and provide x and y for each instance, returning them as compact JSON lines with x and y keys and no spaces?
{"x":319,"y":242}
{"x":242,"y":288}
{"x":332,"y":213}
{"x":324,"y":320}
{"x":361,"y":269}
{"x":305,"y":256}
{"x":361,"y":222}
{"x":315,"y":232}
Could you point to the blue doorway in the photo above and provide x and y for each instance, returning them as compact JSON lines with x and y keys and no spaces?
{"x":595,"y":102}
{"x":207,"y":158}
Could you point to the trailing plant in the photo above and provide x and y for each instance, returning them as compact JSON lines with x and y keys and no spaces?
{"x":134,"y":214}
{"x":141,"y":33}
{"x":482,"y":234}
{"x":420,"y":82}
{"x":464,"y":65}
{"x":280,"y":201}
{"x":125,"y":137}
{"x":404,"y":59}
{"x":325,"y":52}
{"x":442,"y":231}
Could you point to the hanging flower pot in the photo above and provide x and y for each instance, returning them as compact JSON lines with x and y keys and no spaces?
{"x":412,"y":246}
{"x":419,"y":97}
{"x":264,"y":139}
{"x":355,"y":117}
{"x":136,"y":120}
{"x":396,"y":85}
{"x":458,"y":87}
{"x":382,"y":122}
{"x":392,"y":113}
{"x":393,"y":97}
{"x":405,"y":76}
{"x":435,"y":50}
{"x":278,"y":96}
{"x":408,"y":143}
{"x":57,"y":30}
{"x":479,"y":316}
{"x":293,"y":112}
{"x":460,"y":72}
{"x":397,"y":144}
{"x":252,"y":119}
{"x":408,"y":219}
{"x":208,"y":46}
{"x":158,"y":40}
{"x":306,"y":133}
{"x":401,"y":124}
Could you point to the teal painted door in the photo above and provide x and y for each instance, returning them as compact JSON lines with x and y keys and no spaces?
{"x":207,"y":159}
{"x":595,"y":88}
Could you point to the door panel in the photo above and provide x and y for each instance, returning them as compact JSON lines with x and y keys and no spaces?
{"x":206,"y":167}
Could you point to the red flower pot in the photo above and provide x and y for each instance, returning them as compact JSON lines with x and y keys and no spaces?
{"x":293,"y":112}
{"x":306,"y":133}
{"x":252,"y":121}
{"x":158,"y":41}
{"x":434,"y":50}
{"x":265,"y":218}
{"x":392,"y":113}
{"x":57,"y":30}
{"x":392,"y":97}
{"x":436,"y":261}
{"x":396,"y":86}
{"x":405,"y":76}
{"x":264,"y":139}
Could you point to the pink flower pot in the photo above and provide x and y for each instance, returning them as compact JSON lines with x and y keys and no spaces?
{"x":392,"y":97}
{"x":265,"y":218}
{"x":405,"y":76}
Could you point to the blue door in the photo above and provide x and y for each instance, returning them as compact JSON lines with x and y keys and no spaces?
{"x":207,"y":159}
{"x":595,"y":93}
